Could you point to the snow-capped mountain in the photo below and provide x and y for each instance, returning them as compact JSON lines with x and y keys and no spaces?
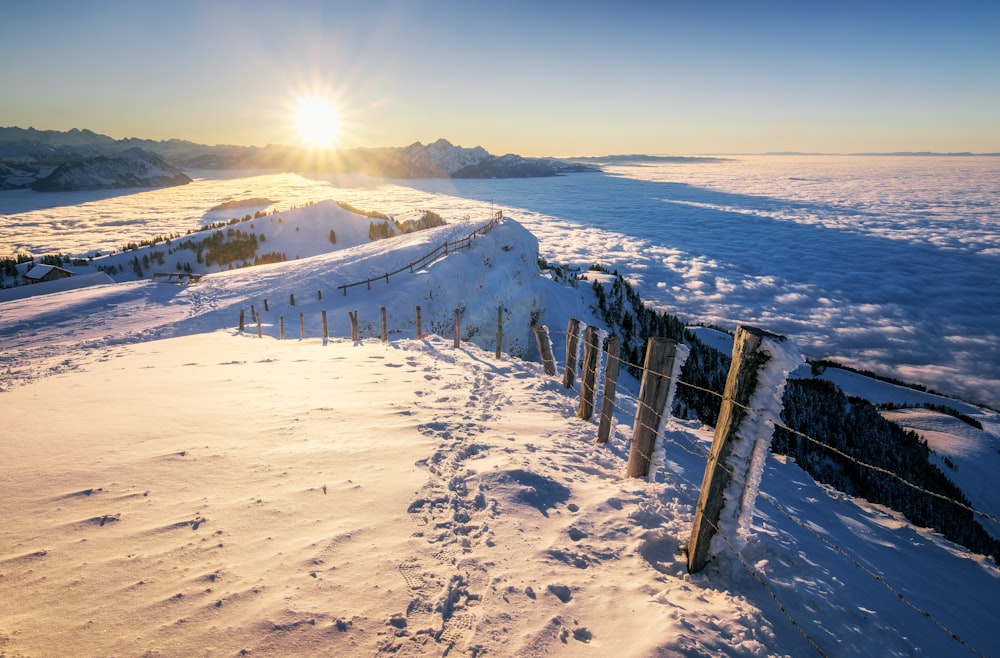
{"x":132,"y":168}
{"x":440,"y":158}
{"x":27,"y":155}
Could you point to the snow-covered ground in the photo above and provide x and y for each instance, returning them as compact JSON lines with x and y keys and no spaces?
{"x":175,"y":487}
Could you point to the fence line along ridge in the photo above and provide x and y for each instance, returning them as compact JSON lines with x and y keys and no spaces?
{"x":433,"y":256}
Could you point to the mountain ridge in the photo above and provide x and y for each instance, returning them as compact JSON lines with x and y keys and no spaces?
{"x":28,"y":155}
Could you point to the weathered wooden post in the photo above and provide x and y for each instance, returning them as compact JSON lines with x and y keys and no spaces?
{"x":653,"y":393}
{"x":281,"y":327}
{"x":319,"y":295}
{"x":752,"y":397}
{"x":326,"y":333}
{"x":610,"y":382}
{"x":354,"y":325}
{"x":291,"y":298}
{"x":588,"y":385}
{"x":572,"y":344}
{"x":385,"y":329}
{"x":266,"y":309}
{"x":302,"y":326}
{"x":241,"y":319}
{"x":499,"y":329}
{"x":259,"y":332}
{"x":458,"y":322}
{"x":545,"y":349}
{"x":253,"y":313}
{"x":420,"y":326}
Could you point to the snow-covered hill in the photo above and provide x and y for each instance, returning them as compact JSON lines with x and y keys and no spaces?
{"x":228,"y":243}
{"x":176,"y":487}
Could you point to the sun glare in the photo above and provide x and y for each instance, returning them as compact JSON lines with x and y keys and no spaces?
{"x":318,"y":122}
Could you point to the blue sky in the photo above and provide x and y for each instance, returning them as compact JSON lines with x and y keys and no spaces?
{"x":537,"y":78}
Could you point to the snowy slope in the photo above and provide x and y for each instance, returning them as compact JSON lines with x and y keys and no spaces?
{"x":196,"y":491}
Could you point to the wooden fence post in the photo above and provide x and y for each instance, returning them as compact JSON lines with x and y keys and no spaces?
{"x":731,"y":452}
{"x":385,"y":329}
{"x":302,"y":326}
{"x":572,"y":343}
{"x":458,"y":321}
{"x":266,"y":309}
{"x":319,"y":295}
{"x":291,"y":298}
{"x":499,"y":329}
{"x":259,"y":333}
{"x":281,"y":327}
{"x":420,"y":326}
{"x":241,"y":320}
{"x":545,"y":349}
{"x":653,"y":393}
{"x":610,"y":382}
{"x":326,"y":333}
{"x":354,"y":325}
{"x":588,"y":384}
{"x":253,"y":313}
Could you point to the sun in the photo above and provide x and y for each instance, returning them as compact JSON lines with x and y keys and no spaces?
{"x":317,"y":121}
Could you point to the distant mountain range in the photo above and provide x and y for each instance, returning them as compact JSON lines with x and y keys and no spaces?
{"x":83,"y":159}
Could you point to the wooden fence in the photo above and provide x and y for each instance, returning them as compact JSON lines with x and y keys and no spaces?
{"x":432,"y":257}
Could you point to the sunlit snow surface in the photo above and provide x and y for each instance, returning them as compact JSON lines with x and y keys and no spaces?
{"x":886,"y":263}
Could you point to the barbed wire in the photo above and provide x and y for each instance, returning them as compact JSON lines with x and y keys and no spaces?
{"x":662,"y":470}
{"x":877,"y":577}
{"x":664,"y":438}
{"x":750,"y":570}
{"x":818,"y":442}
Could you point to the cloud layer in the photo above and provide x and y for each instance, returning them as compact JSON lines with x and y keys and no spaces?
{"x":884,"y":263}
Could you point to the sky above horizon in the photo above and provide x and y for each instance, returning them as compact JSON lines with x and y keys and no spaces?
{"x":537,"y":78}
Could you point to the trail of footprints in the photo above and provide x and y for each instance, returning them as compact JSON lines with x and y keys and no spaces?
{"x":451,"y":517}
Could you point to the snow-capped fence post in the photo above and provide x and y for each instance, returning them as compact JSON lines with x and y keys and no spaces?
{"x":420,"y":325}
{"x":241,"y":319}
{"x":302,"y":326}
{"x":572,"y":344}
{"x":354,"y":325}
{"x":281,"y":327}
{"x":588,"y":382}
{"x":545,"y":349}
{"x":326,"y":332}
{"x":653,"y":394}
{"x":385,"y":328}
{"x":499,"y":329}
{"x":458,"y":321}
{"x":610,"y":382}
{"x":751,"y":400}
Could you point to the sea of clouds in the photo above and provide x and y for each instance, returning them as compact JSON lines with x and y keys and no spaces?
{"x":885,"y":263}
